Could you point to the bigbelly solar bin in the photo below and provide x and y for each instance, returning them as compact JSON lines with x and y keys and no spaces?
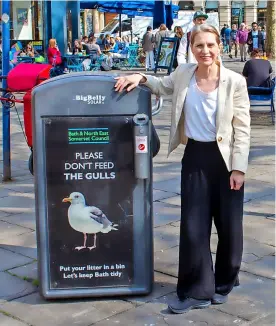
{"x":93,"y":186}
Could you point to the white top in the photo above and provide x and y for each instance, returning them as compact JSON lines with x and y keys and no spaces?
{"x":200,"y":110}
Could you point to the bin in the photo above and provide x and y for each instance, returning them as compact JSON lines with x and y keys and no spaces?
{"x":93,"y":187}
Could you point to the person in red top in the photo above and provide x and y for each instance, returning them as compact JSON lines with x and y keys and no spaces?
{"x":53,"y":54}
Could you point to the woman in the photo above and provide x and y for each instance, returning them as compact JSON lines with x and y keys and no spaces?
{"x":258,"y":72}
{"x":54,"y":57}
{"x":53,"y":53}
{"x":77,"y":47}
{"x":241,"y":38}
{"x":178,"y":34}
{"x":210,"y":113}
{"x":163,"y":32}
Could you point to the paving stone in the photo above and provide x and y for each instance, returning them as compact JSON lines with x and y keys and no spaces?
{"x":21,"y":203}
{"x":27,"y":220}
{"x":163,"y":284}
{"x":24,"y":244}
{"x":253,"y":298}
{"x":257,"y":207}
{"x":61,"y":313}
{"x":13,"y":287}
{"x":9,"y":321}
{"x":10,"y":231}
{"x":268,"y":320}
{"x":4,"y":214}
{"x":165,"y":237}
{"x":263,"y":267}
{"x":28,"y":271}
{"x":171,"y":185}
{"x":160,"y":194}
{"x":261,"y":231}
{"x":166,"y":261}
{"x":20,"y":186}
{"x":267,"y":177}
{"x":10,"y":260}
{"x":165,"y":213}
{"x":256,"y":189}
{"x":164,"y":168}
{"x":156,"y":313}
{"x":176,"y":200}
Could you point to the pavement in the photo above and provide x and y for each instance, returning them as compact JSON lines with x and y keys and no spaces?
{"x":252,"y":303}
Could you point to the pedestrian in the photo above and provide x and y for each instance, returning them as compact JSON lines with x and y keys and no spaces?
{"x":257,"y":72}
{"x":184,"y":53}
{"x":222,"y":34}
{"x":163,"y":32}
{"x":148,"y":42}
{"x":178,"y":34}
{"x":233,"y":41}
{"x":210,"y":114}
{"x":227,"y":34}
{"x":241,"y":39}
{"x":255,"y":39}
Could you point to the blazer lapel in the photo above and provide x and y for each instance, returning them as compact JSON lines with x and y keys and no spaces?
{"x":221,"y":96}
{"x":182,"y":91}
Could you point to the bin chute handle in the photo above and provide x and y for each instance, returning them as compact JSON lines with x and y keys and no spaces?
{"x":158,"y":106}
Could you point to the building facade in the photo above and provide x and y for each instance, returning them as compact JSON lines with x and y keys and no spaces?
{"x":231,"y":12}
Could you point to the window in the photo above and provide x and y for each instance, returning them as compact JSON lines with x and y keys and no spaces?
{"x":237,"y":16}
{"x":26,"y":21}
{"x":261,"y":16}
{"x":186,"y":5}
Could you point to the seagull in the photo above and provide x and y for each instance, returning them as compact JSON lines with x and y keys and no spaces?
{"x":86,"y":219}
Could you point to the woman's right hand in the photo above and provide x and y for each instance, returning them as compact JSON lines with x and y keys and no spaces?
{"x":129,"y":82}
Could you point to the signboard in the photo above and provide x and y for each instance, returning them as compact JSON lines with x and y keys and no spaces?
{"x":166,"y":53}
{"x":89,"y":184}
{"x":22,"y":16}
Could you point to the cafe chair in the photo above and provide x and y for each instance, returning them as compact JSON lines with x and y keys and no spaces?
{"x":267,"y":96}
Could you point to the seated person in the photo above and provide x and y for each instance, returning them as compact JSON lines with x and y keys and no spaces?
{"x":77,"y":49}
{"x":54,"y":55}
{"x":257,"y":73}
{"x":106,"y":42}
{"x":92,"y":49}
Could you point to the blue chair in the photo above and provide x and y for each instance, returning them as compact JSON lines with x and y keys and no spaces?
{"x":74,"y":63}
{"x":267,"y":96}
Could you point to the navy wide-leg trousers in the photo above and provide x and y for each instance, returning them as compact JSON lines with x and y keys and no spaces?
{"x":206,"y":195}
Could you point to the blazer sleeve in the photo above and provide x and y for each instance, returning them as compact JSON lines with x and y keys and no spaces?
{"x":161,"y":85}
{"x":241,"y":126}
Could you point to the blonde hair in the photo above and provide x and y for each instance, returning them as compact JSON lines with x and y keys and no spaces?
{"x":52,"y":42}
{"x":162,"y":27}
{"x":206,"y":29}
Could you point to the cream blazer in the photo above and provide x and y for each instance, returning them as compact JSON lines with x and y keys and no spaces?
{"x":232,"y":118}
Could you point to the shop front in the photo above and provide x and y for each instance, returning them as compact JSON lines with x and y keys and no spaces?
{"x":211,"y":6}
{"x":262,"y":13}
{"x":237,"y":12}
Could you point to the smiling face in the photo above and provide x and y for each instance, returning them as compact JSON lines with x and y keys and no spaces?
{"x":205,"y":48}
{"x":75,"y":198}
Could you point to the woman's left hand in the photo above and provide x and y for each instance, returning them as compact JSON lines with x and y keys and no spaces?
{"x":236,"y":180}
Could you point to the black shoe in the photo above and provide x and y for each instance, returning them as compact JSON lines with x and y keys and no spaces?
{"x":219,"y":299}
{"x":182,"y":306}
{"x":230,"y":56}
{"x":244,"y":60}
{"x":241,"y":60}
{"x":237,"y":283}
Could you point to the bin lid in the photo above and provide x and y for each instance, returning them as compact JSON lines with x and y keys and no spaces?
{"x":25,"y":76}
